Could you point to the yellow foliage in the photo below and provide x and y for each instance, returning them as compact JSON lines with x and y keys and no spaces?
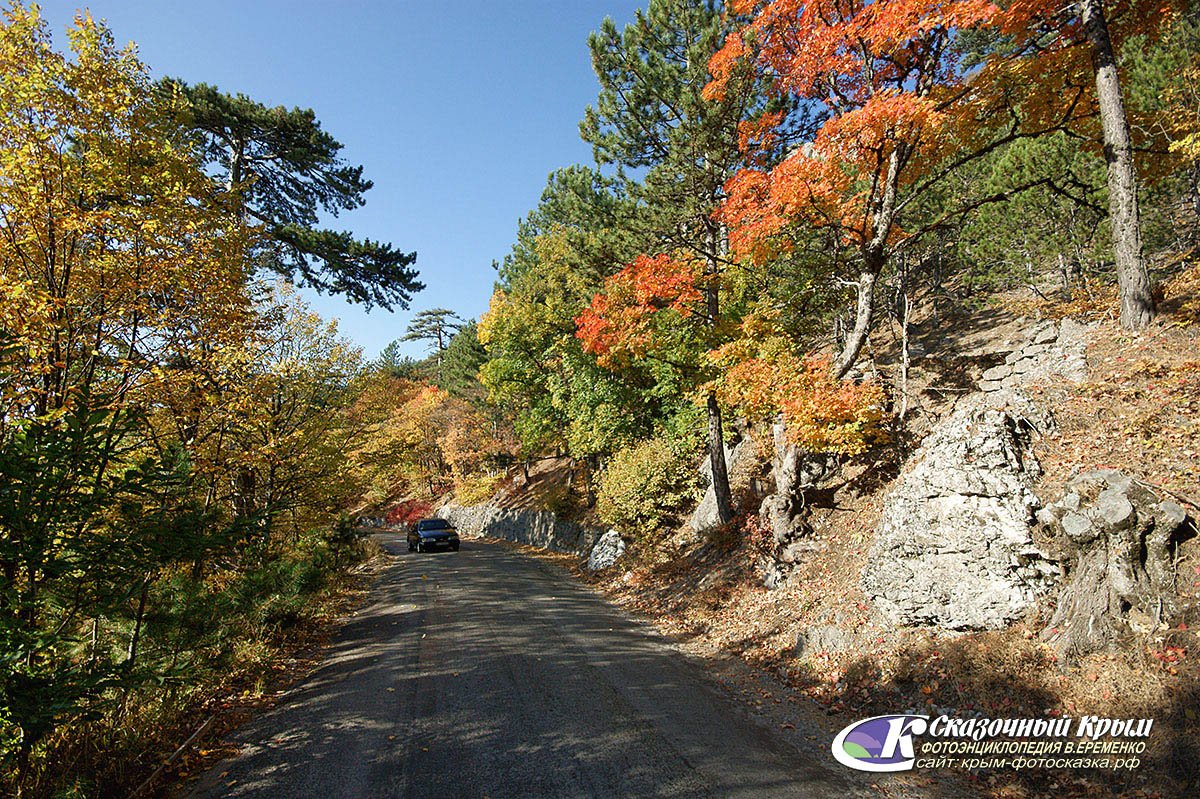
{"x":114,"y":250}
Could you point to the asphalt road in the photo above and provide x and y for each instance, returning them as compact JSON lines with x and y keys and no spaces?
{"x":485,"y":673}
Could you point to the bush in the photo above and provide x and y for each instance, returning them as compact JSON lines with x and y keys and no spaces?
{"x":410,"y":511}
{"x":473,"y":489}
{"x":644,"y":486}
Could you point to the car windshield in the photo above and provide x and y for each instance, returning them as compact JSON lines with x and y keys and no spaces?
{"x":433,"y":524}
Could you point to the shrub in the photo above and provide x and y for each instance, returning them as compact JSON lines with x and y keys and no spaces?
{"x":409,"y":512}
{"x":644,"y":486}
{"x":472,"y":489}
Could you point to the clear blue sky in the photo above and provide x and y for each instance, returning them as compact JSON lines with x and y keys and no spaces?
{"x":457,"y":110}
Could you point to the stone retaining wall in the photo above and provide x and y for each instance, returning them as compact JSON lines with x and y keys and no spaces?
{"x":539,"y":528}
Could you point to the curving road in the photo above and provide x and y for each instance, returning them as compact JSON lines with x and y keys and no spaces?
{"x":485,"y":673}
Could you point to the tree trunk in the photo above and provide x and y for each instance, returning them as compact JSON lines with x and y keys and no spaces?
{"x":1137,"y":301}
{"x":1121,"y":541}
{"x":237,"y":149}
{"x":135,"y":638}
{"x":716,"y":436}
{"x":874,"y":253}
{"x":862,"y":323}
{"x":904,"y":358}
{"x":716,"y":459}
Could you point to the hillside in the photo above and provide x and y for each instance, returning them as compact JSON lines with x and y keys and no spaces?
{"x":1137,"y":410}
{"x":1134,"y":406}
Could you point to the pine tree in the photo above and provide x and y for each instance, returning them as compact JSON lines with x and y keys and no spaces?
{"x":284,"y":171}
{"x":436,"y":326}
{"x":651,"y":115}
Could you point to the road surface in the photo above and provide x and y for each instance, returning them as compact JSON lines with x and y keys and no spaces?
{"x":486,"y":673}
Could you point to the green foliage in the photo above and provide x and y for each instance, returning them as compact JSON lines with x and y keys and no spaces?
{"x":535,"y":367}
{"x":461,"y":360}
{"x":645,"y":485}
{"x":286,"y":172}
{"x":392,"y":362}
{"x":436,"y":326}
{"x":651,"y":115}
{"x":1009,"y":243}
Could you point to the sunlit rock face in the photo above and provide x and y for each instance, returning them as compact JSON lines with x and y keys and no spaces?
{"x":953,"y":548}
{"x":540,"y":528}
{"x":608,"y":550}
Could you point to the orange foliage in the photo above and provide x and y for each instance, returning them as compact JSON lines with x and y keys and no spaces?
{"x":762,"y":377}
{"x":618,"y":324}
{"x":1059,"y":25}
{"x":1057,"y":58}
{"x":891,"y":83}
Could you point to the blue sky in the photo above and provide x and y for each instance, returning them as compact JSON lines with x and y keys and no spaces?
{"x":457,"y":110}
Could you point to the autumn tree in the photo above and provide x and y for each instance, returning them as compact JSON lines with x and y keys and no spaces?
{"x":285,"y":171}
{"x":896,"y":113}
{"x":762,"y":376}
{"x":885,"y":114}
{"x":170,"y":448}
{"x":292,"y":437}
{"x":580,"y":232}
{"x":110,"y":246}
{"x":651,"y":115}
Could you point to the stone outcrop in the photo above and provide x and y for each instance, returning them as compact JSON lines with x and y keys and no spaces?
{"x":607,"y":551}
{"x":833,"y":633}
{"x":1120,"y":539}
{"x":740,"y":463}
{"x":540,"y":528}
{"x":953,"y":547}
{"x":1052,"y":350}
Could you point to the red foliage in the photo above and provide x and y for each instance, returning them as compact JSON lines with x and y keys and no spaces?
{"x":410,"y":511}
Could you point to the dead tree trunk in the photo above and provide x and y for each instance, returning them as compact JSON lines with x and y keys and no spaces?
{"x":1137,"y":301}
{"x":1120,"y":542}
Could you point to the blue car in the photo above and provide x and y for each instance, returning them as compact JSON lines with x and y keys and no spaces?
{"x":430,"y":534}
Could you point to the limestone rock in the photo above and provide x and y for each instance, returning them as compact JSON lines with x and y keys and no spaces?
{"x":997,"y":372}
{"x":1051,"y":350}
{"x":953,"y":547}
{"x":608,"y":550}
{"x":1045,"y":333}
{"x":740,"y":462}
{"x":540,"y":528}
{"x":827,"y":638}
